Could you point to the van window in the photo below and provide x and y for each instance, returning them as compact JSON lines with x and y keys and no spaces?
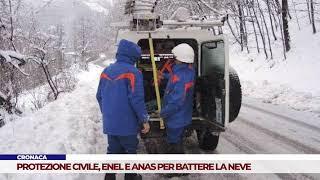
{"x":212,"y":57}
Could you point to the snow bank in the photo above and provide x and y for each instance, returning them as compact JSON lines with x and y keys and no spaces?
{"x":282,"y":94}
{"x":72,"y":124}
{"x":293,"y":82}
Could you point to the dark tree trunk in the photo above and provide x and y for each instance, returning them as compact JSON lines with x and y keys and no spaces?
{"x":285,"y":24}
{"x":312,"y":17}
{"x":253,"y":25}
{"x":260,"y":30}
{"x":214,"y":31}
{"x":295,"y":12}
{"x":278,"y":6}
{"x":282,"y":37}
{"x":11,"y":27}
{"x":245,"y":36}
{"x":241,"y":25}
{"x":271,"y":22}
{"x":53,"y":83}
{"x":274,"y":13}
{"x":49,"y":80}
{"x":309,"y":11}
{"x":233,"y":33}
{"x":265,"y":24}
{"x":289,"y":14}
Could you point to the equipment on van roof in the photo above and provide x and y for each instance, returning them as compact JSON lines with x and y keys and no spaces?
{"x":144,"y":17}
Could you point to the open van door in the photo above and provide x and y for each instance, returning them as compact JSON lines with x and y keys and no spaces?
{"x":214,"y":82}
{"x":212,"y":91}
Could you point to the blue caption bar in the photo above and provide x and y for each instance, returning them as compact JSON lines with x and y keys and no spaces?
{"x":32,"y":157}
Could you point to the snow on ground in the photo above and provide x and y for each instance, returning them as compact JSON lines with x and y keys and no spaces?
{"x":72,"y":124}
{"x":293,"y":82}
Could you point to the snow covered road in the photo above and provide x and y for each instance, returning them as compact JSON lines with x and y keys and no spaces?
{"x":269,"y":129}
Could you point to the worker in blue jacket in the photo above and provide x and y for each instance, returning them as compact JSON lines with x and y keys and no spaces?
{"x":121,"y":100}
{"x":178,"y":99}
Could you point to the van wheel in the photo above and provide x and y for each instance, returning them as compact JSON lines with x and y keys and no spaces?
{"x":207,"y":140}
{"x":235,"y":95}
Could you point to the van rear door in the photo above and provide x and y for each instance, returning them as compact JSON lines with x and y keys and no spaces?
{"x":213,"y":85}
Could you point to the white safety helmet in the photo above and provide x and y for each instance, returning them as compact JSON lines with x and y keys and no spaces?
{"x":184,"y":53}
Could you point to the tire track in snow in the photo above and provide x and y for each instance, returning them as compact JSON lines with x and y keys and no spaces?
{"x":249,"y":147}
{"x":286,"y":118}
{"x":244,"y":145}
{"x":302,"y":147}
{"x":240,"y":142}
{"x":295,"y":176}
{"x":287,"y":176}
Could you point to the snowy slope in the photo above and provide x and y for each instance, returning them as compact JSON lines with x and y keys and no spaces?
{"x":72,"y":124}
{"x":293,"y":82}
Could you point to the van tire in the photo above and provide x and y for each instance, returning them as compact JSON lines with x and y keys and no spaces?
{"x":235,"y":95}
{"x":207,"y":140}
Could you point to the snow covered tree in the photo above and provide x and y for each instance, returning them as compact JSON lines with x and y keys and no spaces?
{"x":44,"y":62}
{"x":46,"y":50}
{"x":10,"y":58}
{"x":82,"y":39}
{"x":22,"y":41}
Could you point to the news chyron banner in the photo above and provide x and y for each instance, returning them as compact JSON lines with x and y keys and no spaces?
{"x":62,"y":163}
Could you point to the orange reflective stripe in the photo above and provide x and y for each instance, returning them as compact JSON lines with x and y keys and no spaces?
{"x":167,"y":66}
{"x":105,"y":76}
{"x":131,"y":77}
{"x":175,"y":78}
{"x":187,"y":87}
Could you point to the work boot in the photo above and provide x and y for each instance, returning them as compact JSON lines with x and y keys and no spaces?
{"x":132,"y":177}
{"x":110,"y":177}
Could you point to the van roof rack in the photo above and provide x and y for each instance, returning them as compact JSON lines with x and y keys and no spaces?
{"x":145,"y":19}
